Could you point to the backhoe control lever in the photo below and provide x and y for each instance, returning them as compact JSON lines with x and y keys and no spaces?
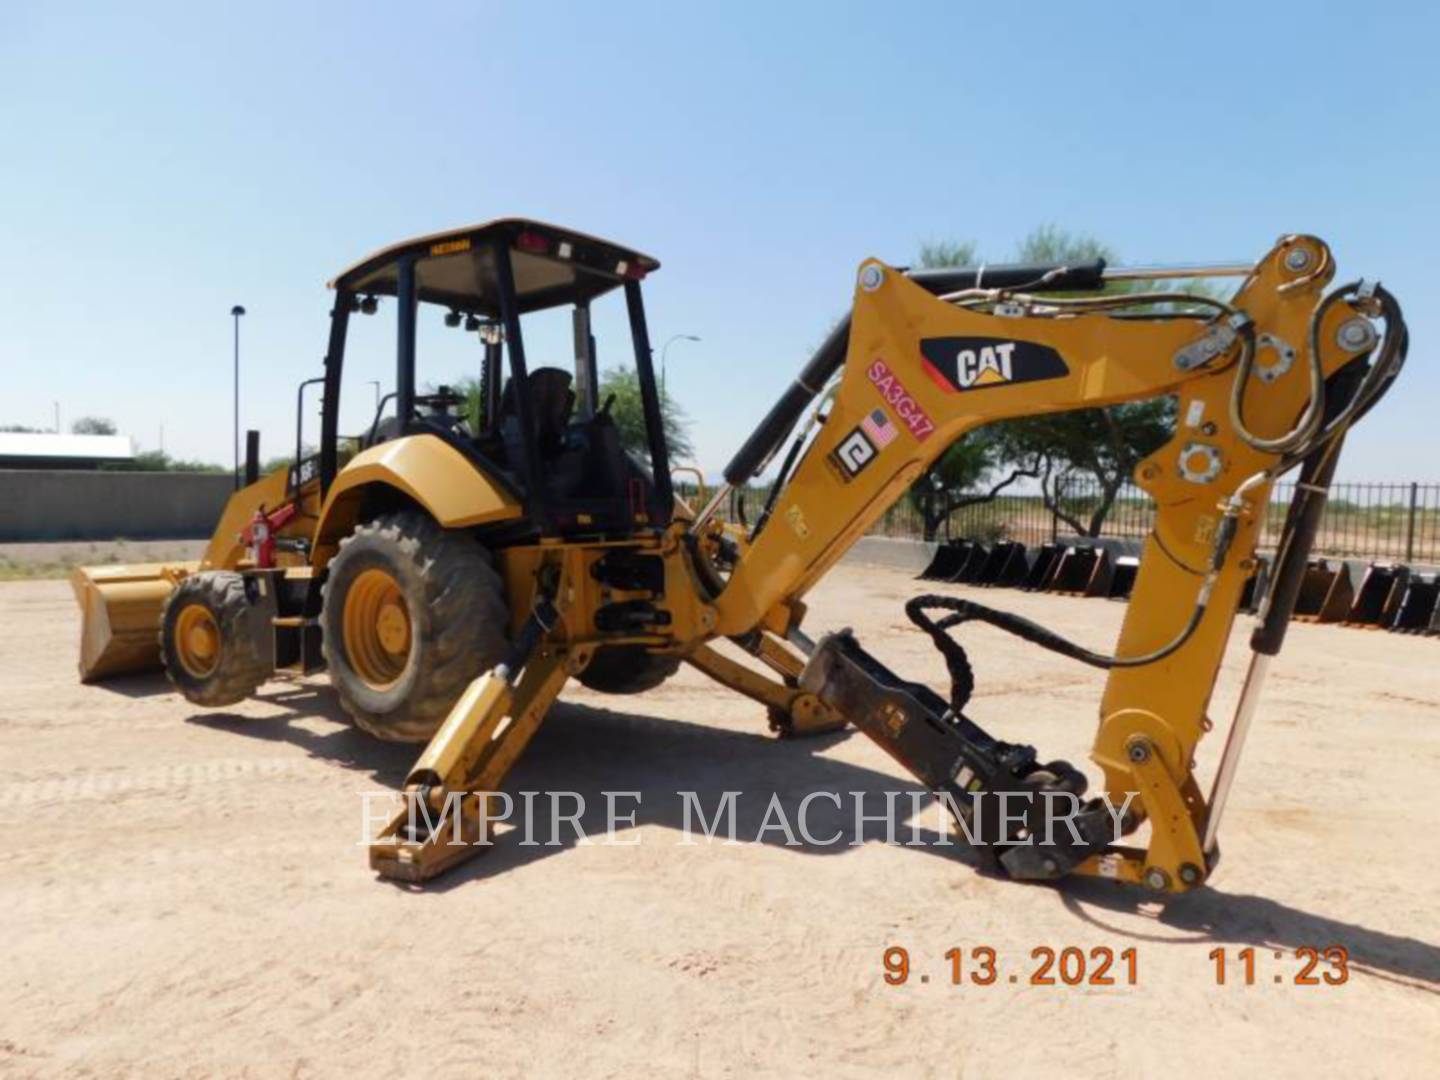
{"x":1025,"y":818}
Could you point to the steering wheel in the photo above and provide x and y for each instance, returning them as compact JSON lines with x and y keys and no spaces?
{"x":440,"y":402}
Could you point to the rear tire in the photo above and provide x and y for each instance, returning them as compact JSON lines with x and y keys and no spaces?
{"x":411,"y":614}
{"x":627,"y":669}
{"x":212,"y":639}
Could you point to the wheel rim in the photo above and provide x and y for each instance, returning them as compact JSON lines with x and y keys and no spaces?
{"x":377,"y":631}
{"x":197,"y":641}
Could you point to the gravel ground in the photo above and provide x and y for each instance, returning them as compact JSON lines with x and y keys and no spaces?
{"x":55,"y":558}
{"x":185,"y":890}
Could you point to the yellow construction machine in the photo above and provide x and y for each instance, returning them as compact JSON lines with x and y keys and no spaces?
{"x":456,"y":571}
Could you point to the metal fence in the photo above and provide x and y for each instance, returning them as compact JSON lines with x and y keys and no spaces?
{"x":1398,"y":521}
{"x":1380,"y":521}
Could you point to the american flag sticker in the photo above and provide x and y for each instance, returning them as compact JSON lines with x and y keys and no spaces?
{"x":878,"y":426}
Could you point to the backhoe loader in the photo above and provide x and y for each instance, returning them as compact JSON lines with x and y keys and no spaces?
{"x":456,"y":571}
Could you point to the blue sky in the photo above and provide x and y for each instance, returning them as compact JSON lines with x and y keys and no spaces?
{"x":163,"y":162}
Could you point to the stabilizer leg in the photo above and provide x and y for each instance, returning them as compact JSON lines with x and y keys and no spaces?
{"x":444,"y":820}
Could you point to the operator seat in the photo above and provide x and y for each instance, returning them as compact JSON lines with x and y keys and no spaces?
{"x":581,"y":460}
{"x":552,"y":403}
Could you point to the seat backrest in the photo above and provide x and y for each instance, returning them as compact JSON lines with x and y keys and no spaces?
{"x":552,"y":401}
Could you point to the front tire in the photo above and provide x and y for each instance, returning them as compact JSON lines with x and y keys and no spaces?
{"x":212,"y":638}
{"x":411,"y":614}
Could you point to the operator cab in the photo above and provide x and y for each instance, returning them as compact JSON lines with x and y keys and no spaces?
{"x":542,"y":432}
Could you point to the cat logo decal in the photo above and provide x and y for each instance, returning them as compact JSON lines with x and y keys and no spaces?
{"x":961,"y":364}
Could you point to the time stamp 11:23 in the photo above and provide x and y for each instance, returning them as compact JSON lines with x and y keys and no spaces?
{"x":982,"y":965}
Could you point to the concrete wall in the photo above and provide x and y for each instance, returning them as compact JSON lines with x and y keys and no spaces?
{"x":60,"y":505}
{"x":891,"y":551}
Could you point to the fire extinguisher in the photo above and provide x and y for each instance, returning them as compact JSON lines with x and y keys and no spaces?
{"x":259,"y":535}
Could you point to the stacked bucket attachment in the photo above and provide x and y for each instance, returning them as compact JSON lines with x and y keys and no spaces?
{"x":1326,"y":593}
{"x":1417,"y":612}
{"x":1042,"y":569}
{"x":948,"y":557}
{"x":975,"y":559}
{"x":1122,"y":579}
{"x":1378,"y":601}
{"x":956,"y":561}
{"x":1083,"y":570}
{"x":1390,"y":596}
{"x":1007,"y":566}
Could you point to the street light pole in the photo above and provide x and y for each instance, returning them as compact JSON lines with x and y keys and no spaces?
{"x":673,"y":338}
{"x":235,"y":313}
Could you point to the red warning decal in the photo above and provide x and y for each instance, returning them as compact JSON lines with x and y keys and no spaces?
{"x":915,"y":419}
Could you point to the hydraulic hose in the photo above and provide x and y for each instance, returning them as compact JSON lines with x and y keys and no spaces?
{"x":757,"y":450}
{"x":1308,"y":426}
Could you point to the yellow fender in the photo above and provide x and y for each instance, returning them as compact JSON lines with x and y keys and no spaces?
{"x":425,"y":468}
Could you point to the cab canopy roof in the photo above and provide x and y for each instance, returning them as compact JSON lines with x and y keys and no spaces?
{"x":552,"y":266}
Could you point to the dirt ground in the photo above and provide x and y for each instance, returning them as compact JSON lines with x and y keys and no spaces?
{"x":184,"y":892}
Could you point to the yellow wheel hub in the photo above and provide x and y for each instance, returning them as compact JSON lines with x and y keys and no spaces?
{"x":376,"y":625}
{"x":197,"y":641}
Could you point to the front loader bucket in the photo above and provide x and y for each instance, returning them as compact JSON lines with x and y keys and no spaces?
{"x":120,"y":615}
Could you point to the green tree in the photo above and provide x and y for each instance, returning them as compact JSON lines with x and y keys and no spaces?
{"x":1052,"y":244}
{"x":935,"y":253}
{"x":159,"y":461}
{"x":93,"y":425}
{"x":1081,"y":458}
{"x":1095,"y":449}
{"x":629,"y":415}
{"x":953,"y":481}
{"x":468,"y":387}
{"x":949,"y":484}
{"x":627,"y":412}
{"x":346,"y":447}
{"x":187,"y":465}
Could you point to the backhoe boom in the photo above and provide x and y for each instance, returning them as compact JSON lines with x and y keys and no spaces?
{"x":920,"y":372}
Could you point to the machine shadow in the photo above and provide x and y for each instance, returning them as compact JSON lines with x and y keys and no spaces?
{"x":143,"y":685}
{"x":1212,"y":915}
{"x":384,"y":762}
{"x":590,"y":751}
{"x":669,"y":763}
